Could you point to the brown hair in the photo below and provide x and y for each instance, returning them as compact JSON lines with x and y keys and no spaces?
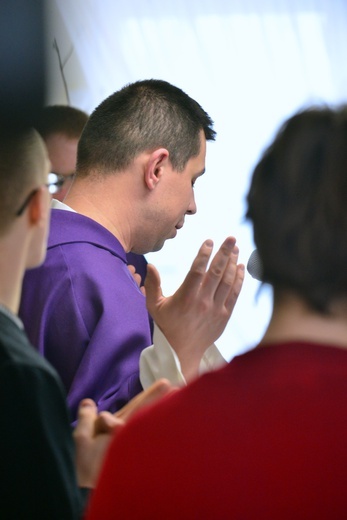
{"x":61,"y":119}
{"x":297,"y":204}
{"x":142,"y":116}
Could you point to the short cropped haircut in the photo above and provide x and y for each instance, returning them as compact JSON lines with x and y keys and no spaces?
{"x":142,"y":116}
{"x":22,"y":156}
{"x":61,"y":119}
{"x":297,"y":204}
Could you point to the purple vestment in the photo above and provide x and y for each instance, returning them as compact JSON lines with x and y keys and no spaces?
{"x":84,"y":312}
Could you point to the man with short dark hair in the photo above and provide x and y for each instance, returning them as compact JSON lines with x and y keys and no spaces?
{"x":139,"y":156}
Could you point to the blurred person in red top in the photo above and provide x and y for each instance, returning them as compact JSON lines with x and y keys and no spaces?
{"x":265,"y":436}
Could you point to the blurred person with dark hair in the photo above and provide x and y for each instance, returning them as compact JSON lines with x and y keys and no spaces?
{"x":265,"y":436}
{"x":61,"y":126}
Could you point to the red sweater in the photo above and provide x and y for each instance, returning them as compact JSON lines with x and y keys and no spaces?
{"x":263,"y":438}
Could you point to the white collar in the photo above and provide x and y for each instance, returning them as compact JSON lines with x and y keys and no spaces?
{"x":56,"y":204}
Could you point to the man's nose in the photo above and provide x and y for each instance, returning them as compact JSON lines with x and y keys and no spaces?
{"x":192,"y":209}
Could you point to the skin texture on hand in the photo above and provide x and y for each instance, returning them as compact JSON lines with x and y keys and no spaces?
{"x":137,"y":278}
{"x":94,"y":431}
{"x":195,"y":316}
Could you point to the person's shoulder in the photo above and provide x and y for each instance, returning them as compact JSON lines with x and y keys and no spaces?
{"x":69,"y":228}
{"x":32,"y":383}
{"x":17,"y":352}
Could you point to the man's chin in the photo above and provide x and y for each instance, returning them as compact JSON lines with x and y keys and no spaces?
{"x":160,"y":245}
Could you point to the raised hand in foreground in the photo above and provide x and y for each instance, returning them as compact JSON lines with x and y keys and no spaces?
{"x":94,"y":430}
{"x":195,"y":316}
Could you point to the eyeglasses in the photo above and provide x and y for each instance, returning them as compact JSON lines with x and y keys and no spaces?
{"x":54,"y":184}
{"x":63,"y":178}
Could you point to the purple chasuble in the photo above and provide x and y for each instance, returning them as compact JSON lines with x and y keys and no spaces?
{"x":84,"y":312}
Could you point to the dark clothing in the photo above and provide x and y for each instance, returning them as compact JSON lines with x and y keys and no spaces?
{"x":38,"y":478}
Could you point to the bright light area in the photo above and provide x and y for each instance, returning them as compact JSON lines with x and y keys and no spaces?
{"x":248,"y":66}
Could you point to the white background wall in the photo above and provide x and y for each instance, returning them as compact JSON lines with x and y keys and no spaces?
{"x":249,"y":63}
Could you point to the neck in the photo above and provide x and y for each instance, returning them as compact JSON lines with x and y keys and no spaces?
{"x":293,"y":320}
{"x":94,"y":204}
{"x":11,"y":277}
{"x":10,"y":300}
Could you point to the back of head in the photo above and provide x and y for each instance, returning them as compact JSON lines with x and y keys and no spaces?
{"x":297,"y":204}
{"x":22,"y":169}
{"x":142,"y":116}
{"x":60,"y":119}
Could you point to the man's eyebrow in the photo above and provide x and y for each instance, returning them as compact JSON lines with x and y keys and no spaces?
{"x":201,"y":173}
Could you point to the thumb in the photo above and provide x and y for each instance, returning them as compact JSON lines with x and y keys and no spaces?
{"x":153,"y":288}
{"x":86,"y":415}
{"x":107,"y":422}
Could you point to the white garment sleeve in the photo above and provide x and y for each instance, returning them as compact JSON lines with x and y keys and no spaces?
{"x":160,"y":360}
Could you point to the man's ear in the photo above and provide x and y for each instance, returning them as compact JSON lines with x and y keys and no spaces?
{"x":155,"y":167}
{"x":39,"y":206}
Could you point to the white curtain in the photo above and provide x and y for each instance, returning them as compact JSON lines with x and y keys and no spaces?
{"x":249,"y":63}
